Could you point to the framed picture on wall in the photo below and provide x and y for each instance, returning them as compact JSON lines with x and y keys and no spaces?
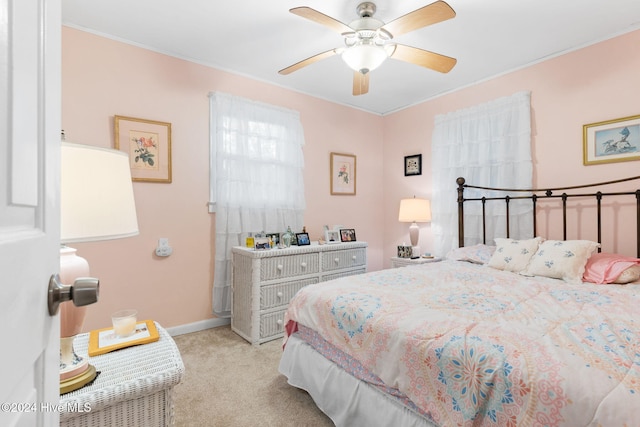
{"x":343,"y":174}
{"x":148,"y":144}
{"x":611,"y":141}
{"x":413,"y":165}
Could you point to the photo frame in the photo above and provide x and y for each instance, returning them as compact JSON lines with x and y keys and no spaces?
{"x":332,"y":236}
{"x":275,"y":238}
{"x":611,"y":141}
{"x":148,"y":145}
{"x":413,"y":165}
{"x":347,"y":235}
{"x":342,"y":174}
{"x":103,"y":341}
{"x":303,"y":239}
{"x":261,"y":243}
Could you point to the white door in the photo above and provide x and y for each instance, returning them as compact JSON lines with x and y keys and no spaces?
{"x":29,"y":204}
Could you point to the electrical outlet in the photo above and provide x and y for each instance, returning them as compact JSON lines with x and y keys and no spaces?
{"x":163,"y":248}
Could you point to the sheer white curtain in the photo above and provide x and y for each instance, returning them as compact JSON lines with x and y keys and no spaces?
{"x":488,"y":145}
{"x":256,"y":178}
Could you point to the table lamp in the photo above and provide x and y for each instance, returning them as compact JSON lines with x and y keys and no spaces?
{"x":96,"y":202}
{"x":414,"y":211}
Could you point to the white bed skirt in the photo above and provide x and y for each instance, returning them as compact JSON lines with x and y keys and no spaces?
{"x":348,"y":401}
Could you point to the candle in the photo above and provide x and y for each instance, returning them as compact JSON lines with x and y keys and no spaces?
{"x":124,"y":322}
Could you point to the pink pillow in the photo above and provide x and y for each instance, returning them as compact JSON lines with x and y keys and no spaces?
{"x":605,"y":268}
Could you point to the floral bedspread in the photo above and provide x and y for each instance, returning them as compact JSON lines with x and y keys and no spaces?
{"x":473,"y":346}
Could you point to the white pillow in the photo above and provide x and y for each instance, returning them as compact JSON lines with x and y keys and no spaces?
{"x":561,"y":259}
{"x":477,"y":254}
{"x":513,"y":255}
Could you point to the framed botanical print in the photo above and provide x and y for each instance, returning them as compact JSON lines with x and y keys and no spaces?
{"x":148,"y":144}
{"x":343,"y":174}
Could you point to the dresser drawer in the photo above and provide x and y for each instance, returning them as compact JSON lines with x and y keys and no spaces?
{"x":272,"y":296}
{"x":272,"y":324}
{"x":347,"y":258}
{"x":289,"y":266}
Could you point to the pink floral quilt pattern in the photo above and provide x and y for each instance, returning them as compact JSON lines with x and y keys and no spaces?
{"x":473,"y":346}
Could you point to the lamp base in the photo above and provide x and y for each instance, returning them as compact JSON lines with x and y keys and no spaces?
{"x":71,"y":365}
{"x":78,"y":381}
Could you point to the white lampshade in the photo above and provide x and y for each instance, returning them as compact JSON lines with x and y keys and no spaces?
{"x":96,"y":194}
{"x":414,"y":210}
{"x":365,"y":57}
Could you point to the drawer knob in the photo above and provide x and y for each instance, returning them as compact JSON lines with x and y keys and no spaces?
{"x":303,"y":264}
{"x":279,"y":322}
{"x":280,"y":267}
{"x":336,"y":260}
{"x":353,"y":257}
{"x":279,"y":295}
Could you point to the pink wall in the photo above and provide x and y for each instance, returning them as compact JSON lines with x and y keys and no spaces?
{"x":102,"y":78}
{"x":594,"y":84}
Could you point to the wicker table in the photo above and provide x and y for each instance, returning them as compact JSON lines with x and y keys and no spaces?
{"x":134,"y":387}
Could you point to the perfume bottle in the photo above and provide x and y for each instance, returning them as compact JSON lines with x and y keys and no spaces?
{"x":250,"y":242}
{"x":287,"y":237}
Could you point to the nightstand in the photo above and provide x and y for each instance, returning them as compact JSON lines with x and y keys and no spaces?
{"x":403,"y":262}
{"x":134,"y":387}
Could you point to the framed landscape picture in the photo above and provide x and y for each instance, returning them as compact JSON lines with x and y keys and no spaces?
{"x":611,"y":141}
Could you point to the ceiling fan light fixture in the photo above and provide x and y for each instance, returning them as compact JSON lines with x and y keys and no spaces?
{"x":364,"y":57}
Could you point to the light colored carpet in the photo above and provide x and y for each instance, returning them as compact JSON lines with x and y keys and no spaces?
{"x":229,"y":382}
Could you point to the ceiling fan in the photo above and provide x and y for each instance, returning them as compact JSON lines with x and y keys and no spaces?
{"x":368,"y":40}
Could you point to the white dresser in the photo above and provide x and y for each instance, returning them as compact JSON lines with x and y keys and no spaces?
{"x":264,"y":281}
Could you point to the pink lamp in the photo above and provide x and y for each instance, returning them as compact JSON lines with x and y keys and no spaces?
{"x":96,"y":204}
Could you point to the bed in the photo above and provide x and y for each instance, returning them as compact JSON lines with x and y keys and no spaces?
{"x":507,"y":332}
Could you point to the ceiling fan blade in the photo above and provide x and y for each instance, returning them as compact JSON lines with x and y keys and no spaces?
{"x":315,"y":58}
{"x":321,"y":18}
{"x":419,"y":18}
{"x":360,"y":83}
{"x":424,"y":58}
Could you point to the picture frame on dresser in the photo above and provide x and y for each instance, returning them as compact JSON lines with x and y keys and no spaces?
{"x":348,"y":235}
{"x":303,"y":239}
{"x":332,"y":236}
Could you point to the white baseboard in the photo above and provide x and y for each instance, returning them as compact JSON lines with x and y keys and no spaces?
{"x":197,"y":326}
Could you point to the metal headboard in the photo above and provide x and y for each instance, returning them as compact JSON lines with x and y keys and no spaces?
{"x":545,"y":193}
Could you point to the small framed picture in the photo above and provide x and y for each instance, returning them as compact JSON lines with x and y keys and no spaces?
{"x":303,"y":239}
{"x":275,"y":238}
{"x":347,"y":235}
{"x":261,"y":243}
{"x":332,"y":236}
{"x":413,"y":165}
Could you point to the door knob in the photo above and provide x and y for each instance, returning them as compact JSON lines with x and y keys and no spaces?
{"x":84,"y":291}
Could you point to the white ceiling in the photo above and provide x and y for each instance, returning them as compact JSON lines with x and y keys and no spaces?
{"x":256,"y":38}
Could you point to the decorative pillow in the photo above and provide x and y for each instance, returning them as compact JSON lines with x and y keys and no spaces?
{"x":561,"y":259}
{"x":631,"y":274}
{"x":477,"y":254}
{"x":513,"y":255}
{"x":607,"y":268}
